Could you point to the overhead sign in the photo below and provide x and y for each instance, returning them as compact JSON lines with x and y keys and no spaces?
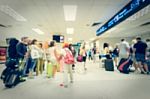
{"x":127,"y":11}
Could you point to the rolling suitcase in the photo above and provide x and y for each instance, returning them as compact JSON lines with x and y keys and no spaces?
{"x":124,"y":65}
{"x":109,"y":65}
{"x":49,"y":70}
{"x":12,"y":79}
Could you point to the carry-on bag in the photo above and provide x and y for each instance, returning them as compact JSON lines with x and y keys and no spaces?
{"x":109,"y":65}
{"x":124,"y":65}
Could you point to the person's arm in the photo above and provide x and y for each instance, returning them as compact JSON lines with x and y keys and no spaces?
{"x":19,"y":50}
{"x":146,"y":50}
{"x":127,"y":47}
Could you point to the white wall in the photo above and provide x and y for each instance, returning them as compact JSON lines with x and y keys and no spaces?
{"x":3,"y":43}
{"x":145,"y":36}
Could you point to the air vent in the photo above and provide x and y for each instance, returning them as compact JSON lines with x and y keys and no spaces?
{"x":96,"y":23}
{"x":1,"y":25}
{"x":145,"y":24}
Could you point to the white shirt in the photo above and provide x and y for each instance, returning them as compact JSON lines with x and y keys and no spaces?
{"x":34,"y":52}
{"x":51,"y":54}
{"x":124,"y":48}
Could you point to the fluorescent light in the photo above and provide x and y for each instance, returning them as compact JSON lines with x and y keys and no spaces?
{"x":11,"y":12}
{"x":70,"y":12}
{"x":69,"y":39}
{"x":37,"y":31}
{"x":92,"y":39}
{"x":112,"y":29}
{"x":70,"y":30}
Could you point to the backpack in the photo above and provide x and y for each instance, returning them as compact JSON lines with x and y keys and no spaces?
{"x":12,"y":51}
{"x":68,"y":59}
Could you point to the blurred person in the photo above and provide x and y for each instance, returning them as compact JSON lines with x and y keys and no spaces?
{"x":148,"y":53}
{"x":107,"y":51}
{"x":52,"y":57}
{"x":148,"y":48}
{"x":90,"y":54}
{"x":12,"y":52}
{"x":71,"y":48}
{"x":132,"y":54}
{"x":106,"y":48}
{"x":67,"y":55}
{"x":22,"y":54}
{"x":84,"y":55}
{"x":29,"y":59}
{"x":116,"y":55}
{"x":140,"y":55}
{"x":22,"y":48}
{"x":94,"y":53}
{"x":124,"y":49}
{"x":34,"y":57}
{"x":40,"y":65}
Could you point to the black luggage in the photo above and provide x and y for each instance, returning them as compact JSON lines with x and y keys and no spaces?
{"x":4,"y":73}
{"x":124,"y":65}
{"x":109,"y":65}
{"x":10,"y":77}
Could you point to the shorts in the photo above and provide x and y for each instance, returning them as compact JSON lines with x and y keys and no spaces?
{"x":140,"y":58}
{"x":84,"y":58}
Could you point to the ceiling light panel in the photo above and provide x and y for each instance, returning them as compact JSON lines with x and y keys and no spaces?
{"x":11,"y":12}
{"x":38,"y":31}
{"x":70,"y":12}
{"x":69,"y":39}
{"x":70,"y":30}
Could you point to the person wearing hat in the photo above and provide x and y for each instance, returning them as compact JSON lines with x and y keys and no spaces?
{"x":67,"y":66}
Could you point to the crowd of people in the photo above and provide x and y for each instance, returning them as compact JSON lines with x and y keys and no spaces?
{"x":34,"y":59}
{"x":138,"y":51}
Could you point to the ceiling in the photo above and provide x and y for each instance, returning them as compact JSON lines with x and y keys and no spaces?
{"x":48,"y":16}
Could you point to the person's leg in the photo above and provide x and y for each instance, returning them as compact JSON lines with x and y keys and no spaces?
{"x":146,"y":68}
{"x":31,"y":69}
{"x":28,"y":65}
{"x":141,"y":67}
{"x":65,"y":78}
{"x":70,"y":72}
{"x":94,"y":58}
{"x":135,"y":66}
{"x":25,"y":67}
{"x":37,"y":67}
{"x":41,"y":65}
{"x":115,"y":61}
{"x":54,"y":69}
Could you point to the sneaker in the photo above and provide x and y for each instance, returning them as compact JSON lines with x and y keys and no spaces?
{"x":22,"y":79}
{"x":61,"y":85}
{"x":65,"y":86}
{"x":147,"y":73}
{"x":31,"y":77}
{"x":142,"y":72}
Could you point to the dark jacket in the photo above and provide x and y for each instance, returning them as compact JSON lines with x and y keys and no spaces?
{"x":12,"y":51}
{"x":21,"y":50}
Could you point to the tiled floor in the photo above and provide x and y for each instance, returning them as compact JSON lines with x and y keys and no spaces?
{"x":96,"y":83}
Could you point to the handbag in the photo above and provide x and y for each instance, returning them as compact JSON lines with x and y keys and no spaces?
{"x":80,"y":58}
